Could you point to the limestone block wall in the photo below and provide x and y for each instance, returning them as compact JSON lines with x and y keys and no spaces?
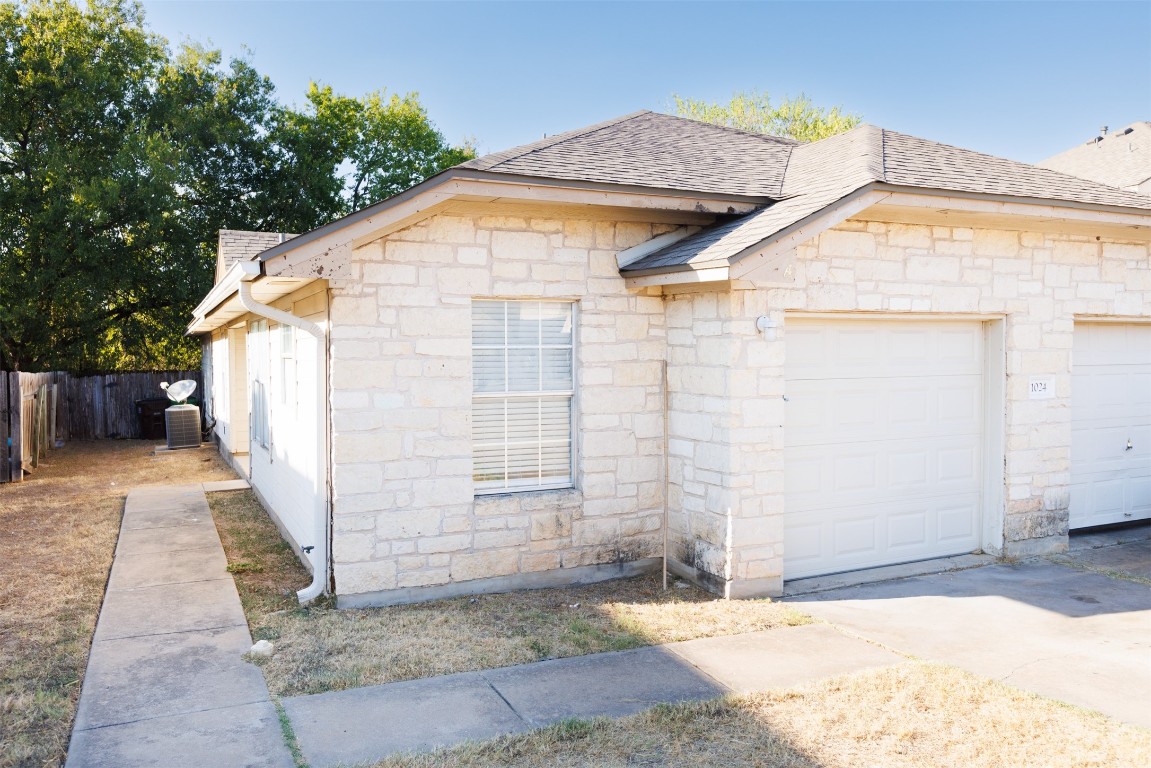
{"x":405,"y":513}
{"x":726,"y":422}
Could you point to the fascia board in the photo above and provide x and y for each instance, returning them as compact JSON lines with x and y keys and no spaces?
{"x":421,"y":201}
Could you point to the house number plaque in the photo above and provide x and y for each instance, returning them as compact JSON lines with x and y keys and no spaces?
{"x":1041,"y":388}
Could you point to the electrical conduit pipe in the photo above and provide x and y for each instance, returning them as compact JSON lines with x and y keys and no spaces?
{"x":320,"y":564}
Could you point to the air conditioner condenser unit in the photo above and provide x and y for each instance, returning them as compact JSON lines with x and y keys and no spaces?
{"x":183,"y":424}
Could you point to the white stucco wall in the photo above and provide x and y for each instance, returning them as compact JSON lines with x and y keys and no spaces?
{"x":284,"y":473}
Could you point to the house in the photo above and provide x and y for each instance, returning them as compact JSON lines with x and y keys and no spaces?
{"x":1121,"y":159}
{"x":763,"y":359}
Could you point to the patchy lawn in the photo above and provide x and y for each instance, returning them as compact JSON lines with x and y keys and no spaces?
{"x":61,"y":524}
{"x":909,"y":715}
{"x":266,"y":570}
{"x":323,"y":649}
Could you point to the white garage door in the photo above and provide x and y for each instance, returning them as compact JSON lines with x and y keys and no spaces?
{"x":884,"y":438}
{"x":1110,"y":424}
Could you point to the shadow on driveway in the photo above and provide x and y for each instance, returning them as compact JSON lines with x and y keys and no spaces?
{"x":1072,"y":631}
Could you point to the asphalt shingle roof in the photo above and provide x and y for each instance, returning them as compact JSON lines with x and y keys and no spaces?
{"x":1121,"y":159}
{"x":652,"y":150}
{"x":823,"y":172}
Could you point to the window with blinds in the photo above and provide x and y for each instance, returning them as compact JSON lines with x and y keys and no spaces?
{"x":522,"y":387}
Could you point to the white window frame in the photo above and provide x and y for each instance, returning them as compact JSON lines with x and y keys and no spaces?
{"x":258,"y":352}
{"x":520,"y":486}
{"x":287,"y":355}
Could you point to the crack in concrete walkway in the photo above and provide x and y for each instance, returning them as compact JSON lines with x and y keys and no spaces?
{"x":166,"y":684}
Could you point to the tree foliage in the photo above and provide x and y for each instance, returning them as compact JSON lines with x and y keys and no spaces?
{"x":119,"y":162}
{"x":797,"y":118}
{"x":346,"y":152}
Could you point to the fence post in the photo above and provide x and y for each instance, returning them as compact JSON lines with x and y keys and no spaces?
{"x":5,"y":413}
{"x":16,"y":403}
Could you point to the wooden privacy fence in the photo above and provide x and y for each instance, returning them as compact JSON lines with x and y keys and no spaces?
{"x":39,"y":409}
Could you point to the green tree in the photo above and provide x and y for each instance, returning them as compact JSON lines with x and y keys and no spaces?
{"x":116,"y":164}
{"x":340,"y":153}
{"x":797,"y":118}
{"x":119,"y":162}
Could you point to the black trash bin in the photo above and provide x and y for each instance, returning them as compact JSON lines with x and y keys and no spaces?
{"x":150,"y":412}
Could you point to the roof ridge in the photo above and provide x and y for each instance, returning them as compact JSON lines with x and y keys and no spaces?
{"x":786,"y":140}
{"x":523,"y":150}
{"x":883,"y":154}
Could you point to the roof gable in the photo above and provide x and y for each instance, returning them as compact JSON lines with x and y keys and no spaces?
{"x":654,"y":150}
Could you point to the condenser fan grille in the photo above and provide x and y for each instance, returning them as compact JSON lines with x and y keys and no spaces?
{"x":183,"y":423}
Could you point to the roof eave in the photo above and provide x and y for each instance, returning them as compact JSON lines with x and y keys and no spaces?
{"x":734,"y":201}
{"x":766,"y":252}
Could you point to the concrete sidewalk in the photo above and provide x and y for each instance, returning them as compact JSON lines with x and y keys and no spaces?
{"x":166,"y":685}
{"x":366,"y":724}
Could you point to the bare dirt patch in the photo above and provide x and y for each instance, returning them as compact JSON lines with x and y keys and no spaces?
{"x":898,"y":717}
{"x":322,"y":649}
{"x":62,"y":524}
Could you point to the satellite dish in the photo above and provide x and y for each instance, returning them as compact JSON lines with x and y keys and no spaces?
{"x":180,"y":391}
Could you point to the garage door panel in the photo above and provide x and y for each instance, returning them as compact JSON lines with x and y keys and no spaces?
{"x":907,"y":530}
{"x":818,"y":477}
{"x":883,"y":447}
{"x":838,"y":412}
{"x":831,"y":541}
{"x":961,"y":345}
{"x":1110,"y":409}
{"x":853,"y":473}
{"x":854,"y":537}
{"x":957,"y":524}
{"x":827,"y":350}
{"x":1139,"y":496}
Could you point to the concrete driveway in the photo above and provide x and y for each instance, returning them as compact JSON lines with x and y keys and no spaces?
{"x":1074,"y":627}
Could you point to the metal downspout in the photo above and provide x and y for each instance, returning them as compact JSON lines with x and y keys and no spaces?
{"x":321,"y":566}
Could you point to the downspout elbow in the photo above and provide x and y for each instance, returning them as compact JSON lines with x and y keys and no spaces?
{"x":320,"y":565}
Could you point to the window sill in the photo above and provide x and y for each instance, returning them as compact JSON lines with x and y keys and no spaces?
{"x":532,"y":497}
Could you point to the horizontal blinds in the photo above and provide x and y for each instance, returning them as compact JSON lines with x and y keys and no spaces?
{"x":521,"y":409}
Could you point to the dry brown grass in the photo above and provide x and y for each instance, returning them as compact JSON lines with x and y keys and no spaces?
{"x":322,"y":649}
{"x":907,"y":716}
{"x":263,"y":565}
{"x":61,"y":526}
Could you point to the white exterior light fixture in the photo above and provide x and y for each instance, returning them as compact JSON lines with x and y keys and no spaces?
{"x":768,"y":327}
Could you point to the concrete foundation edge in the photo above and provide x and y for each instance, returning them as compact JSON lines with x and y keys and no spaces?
{"x":563,"y":577}
{"x":771,"y":586}
{"x":1049,"y":545}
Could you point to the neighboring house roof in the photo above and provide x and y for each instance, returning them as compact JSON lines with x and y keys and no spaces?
{"x":1121,"y":159}
{"x":240,"y":245}
{"x":653,"y":150}
{"x":823,"y":172}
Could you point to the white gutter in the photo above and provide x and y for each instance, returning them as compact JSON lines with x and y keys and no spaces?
{"x":320,"y":564}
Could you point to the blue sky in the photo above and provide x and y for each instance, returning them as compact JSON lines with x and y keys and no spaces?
{"x":1022,"y":80}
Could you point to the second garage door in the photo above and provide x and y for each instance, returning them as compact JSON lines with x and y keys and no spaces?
{"x":1110,"y":424}
{"x":884,"y":442}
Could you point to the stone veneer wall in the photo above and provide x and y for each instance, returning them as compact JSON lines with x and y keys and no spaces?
{"x":726,"y":422}
{"x":404,"y":512}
